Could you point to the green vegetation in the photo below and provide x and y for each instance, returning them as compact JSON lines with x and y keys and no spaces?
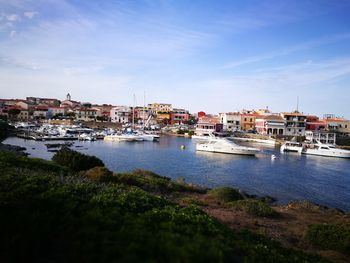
{"x":151,"y":182}
{"x":46,"y":217}
{"x":329,"y":236}
{"x":225,"y":194}
{"x":76,"y":161}
{"x":8,"y":159}
{"x":4,"y":128}
{"x":254,"y":207}
{"x":192,"y":201}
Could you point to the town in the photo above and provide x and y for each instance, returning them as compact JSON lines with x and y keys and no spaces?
{"x":159,"y":115}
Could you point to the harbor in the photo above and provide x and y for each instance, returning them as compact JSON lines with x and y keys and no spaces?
{"x":290,"y":176}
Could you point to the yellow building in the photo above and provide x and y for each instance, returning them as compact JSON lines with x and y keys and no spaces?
{"x":160,"y":107}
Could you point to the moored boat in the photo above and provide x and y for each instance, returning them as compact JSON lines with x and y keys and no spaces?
{"x":226,"y":146}
{"x":326,"y":150}
{"x":291,"y":146}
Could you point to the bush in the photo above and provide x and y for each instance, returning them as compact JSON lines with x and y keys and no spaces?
{"x":15,"y":160}
{"x":4,"y":127}
{"x":254,"y":207}
{"x":225,"y":194}
{"x":329,"y":236}
{"x":98,"y":173}
{"x":76,"y":161}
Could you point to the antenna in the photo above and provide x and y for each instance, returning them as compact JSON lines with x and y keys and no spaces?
{"x":298,"y":103}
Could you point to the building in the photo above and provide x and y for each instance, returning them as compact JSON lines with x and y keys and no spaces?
{"x":57,"y":111}
{"x":179,"y":116}
{"x":40,"y":112}
{"x":313,"y":123}
{"x":248,"y":121}
{"x":46,"y":101}
{"x":265,"y":111}
{"x":120,"y":114}
{"x":207,"y":125}
{"x":142,"y":113}
{"x":201,"y":114}
{"x":163,"y":117}
{"x":23,"y":115}
{"x":337,"y":124}
{"x":85,"y":114}
{"x":321,"y":136}
{"x":295,"y":123}
{"x":160,"y":107}
{"x":231,"y":121}
{"x":270,"y":125}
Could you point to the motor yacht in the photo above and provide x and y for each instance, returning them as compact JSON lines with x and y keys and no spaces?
{"x":221,"y":145}
{"x":326,"y":150}
{"x":204,"y":137}
{"x":291,"y":146}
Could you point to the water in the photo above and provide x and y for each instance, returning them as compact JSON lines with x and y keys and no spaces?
{"x":322,"y":180}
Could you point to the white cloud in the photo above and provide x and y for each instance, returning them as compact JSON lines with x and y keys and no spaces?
{"x":12,"y":17}
{"x":288,"y":50}
{"x":30,"y":14}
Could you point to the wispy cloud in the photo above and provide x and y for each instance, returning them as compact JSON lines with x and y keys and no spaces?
{"x":30,"y":14}
{"x":289,"y":50}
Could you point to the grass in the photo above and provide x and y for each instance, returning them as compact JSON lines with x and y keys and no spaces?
{"x":192,"y":201}
{"x":49,"y":218}
{"x":225,"y":194}
{"x":329,"y":236}
{"x":254,"y":207}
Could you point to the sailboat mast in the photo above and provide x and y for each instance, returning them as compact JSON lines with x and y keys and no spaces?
{"x":133,"y":114}
{"x":143,"y":115}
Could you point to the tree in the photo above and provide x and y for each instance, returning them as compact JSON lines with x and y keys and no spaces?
{"x":13,"y":113}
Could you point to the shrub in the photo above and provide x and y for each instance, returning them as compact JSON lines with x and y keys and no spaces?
{"x":15,"y":160}
{"x":98,"y":173}
{"x":192,"y":201}
{"x":329,"y":236}
{"x":254,"y":207}
{"x":76,"y":161}
{"x":225,"y":194}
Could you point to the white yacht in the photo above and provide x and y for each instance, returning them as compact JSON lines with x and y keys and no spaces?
{"x":123,"y":137}
{"x":327,"y":150}
{"x":204,"y":137}
{"x":291,"y":146}
{"x":226,"y":146}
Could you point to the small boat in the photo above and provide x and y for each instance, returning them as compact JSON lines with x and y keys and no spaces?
{"x":326,"y":150}
{"x":226,"y":146}
{"x":291,"y":146}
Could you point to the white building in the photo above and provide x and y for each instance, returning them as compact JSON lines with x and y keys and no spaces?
{"x":231,"y":121}
{"x":120,"y":114}
{"x":295,"y":123}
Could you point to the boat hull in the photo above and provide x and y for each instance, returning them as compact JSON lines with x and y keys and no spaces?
{"x":227,"y":150}
{"x":335,"y":154}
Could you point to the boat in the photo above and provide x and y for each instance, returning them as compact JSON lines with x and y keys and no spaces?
{"x":204,"y":137}
{"x":291,"y":146}
{"x":326,"y":150}
{"x":123,"y":137}
{"x":221,"y":145}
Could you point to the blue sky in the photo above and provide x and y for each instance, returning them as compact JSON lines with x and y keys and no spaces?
{"x":215,"y":56}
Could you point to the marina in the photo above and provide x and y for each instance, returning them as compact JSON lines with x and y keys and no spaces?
{"x":288,"y":176}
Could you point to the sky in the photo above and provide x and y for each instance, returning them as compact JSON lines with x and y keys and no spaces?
{"x":215,"y":56}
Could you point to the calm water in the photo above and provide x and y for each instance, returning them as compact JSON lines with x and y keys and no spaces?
{"x":289,"y":177}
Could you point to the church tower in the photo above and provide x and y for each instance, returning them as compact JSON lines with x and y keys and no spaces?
{"x":68,"y":97}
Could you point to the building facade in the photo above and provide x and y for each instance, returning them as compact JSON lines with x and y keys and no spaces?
{"x":120,"y":114}
{"x":179,"y":116}
{"x":231,"y":121}
{"x":270,"y":125}
{"x":295,"y":123}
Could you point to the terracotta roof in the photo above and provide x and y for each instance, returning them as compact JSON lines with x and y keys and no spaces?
{"x":271,"y":117}
{"x":335,"y":120}
{"x":295,"y":113}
